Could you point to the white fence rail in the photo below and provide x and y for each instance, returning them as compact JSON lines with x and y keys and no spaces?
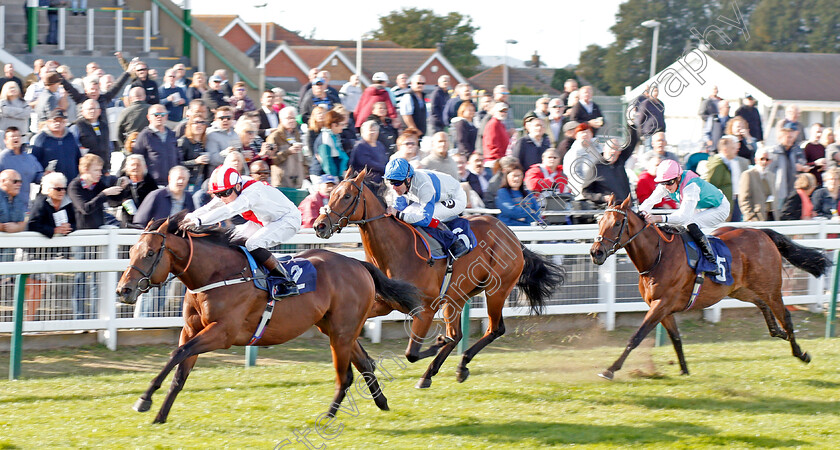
{"x":606,"y":290}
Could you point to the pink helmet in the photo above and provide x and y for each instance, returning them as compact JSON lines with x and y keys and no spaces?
{"x":667,"y":170}
{"x":222,"y":179}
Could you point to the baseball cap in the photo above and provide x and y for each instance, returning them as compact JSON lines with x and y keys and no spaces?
{"x":380,"y":76}
{"x":499,"y":107}
{"x":56,"y":114}
{"x":790,"y":126}
{"x":319,"y":80}
{"x":215,"y":78}
{"x":326,"y":178}
{"x":569,"y":126}
{"x":529,"y":117}
{"x":749,"y":96}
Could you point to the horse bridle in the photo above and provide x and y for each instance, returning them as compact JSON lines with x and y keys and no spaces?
{"x":145,"y":284}
{"x":336,"y":227}
{"x":617,"y":245}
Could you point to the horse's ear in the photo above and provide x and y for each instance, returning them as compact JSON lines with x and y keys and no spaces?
{"x":348,"y":174}
{"x":627,"y":201}
{"x":610,"y":199}
{"x":361,"y":176}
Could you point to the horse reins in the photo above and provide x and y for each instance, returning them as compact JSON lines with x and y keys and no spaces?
{"x":146,"y":281}
{"x":617,"y":242}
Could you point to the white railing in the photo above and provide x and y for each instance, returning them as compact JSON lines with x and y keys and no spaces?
{"x":567,"y":243}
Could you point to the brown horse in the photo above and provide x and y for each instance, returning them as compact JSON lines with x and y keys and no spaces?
{"x":229,"y":315}
{"x":666,"y":281}
{"x":497,"y":265}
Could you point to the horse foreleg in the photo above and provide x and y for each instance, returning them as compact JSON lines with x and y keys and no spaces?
{"x":495,"y":302}
{"x":452,"y":316}
{"x":343,"y":372}
{"x":772,"y":325}
{"x":670,"y":324}
{"x":178,"y":381}
{"x":652,"y":318}
{"x":367,"y":367}
{"x":419,"y":329}
{"x":208,"y":339}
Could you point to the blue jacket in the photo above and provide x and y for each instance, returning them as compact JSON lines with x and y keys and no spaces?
{"x":158,"y":205}
{"x":64,"y":150}
{"x":176,"y":113}
{"x":513,"y":213}
{"x":160,"y":155}
{"x":375,"y":158}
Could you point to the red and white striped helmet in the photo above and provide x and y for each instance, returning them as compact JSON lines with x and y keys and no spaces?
{"x":223,"y":178}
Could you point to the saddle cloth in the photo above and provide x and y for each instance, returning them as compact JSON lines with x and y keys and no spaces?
{"x":440,"y":241}
{"x":700,"y":264}
{"x":299,"y":269}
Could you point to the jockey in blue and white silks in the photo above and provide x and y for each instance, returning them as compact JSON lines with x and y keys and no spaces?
{"x":426,"y":198}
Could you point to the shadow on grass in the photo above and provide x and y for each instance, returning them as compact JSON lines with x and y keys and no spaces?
{"x":550,"y":434}
{"x":763,"y":405}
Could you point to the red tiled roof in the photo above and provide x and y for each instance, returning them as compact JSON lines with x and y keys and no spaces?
{"x":352,"y":44}
{"x":313,"y":56}
{"x":392,"y":61}
{"x":279,"y":34}
{"x":217,"y":23}
{"x":536,"y":79}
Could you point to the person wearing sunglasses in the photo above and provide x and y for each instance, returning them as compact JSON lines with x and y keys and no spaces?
{"x":413,"y":106}
{"x":701,"y":203}
{"x":426,"y":198}
{"x":12,"y":204}
{"x":271,"y":218}
{"x":143,"y":80}
{"x":157,"y":144}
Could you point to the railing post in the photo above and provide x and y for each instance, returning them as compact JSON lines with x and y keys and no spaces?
{"x":155,"y":19}
{"x":200,"y":58}
{"x":2,"y":26}
{"x":187,"y":44}
{"x":118,"y":30}
{"x":32,"y":40}
{"x":464,"y":344}
{"x":607,"y":277}
{"x":108,"y":296}
{"x":251,"y":355}
{"x":90,"y":25}
{"x":17,"y":335}
{"x":62,"y":28}
{"x":147,"y":31}
{"x":832,"y":304}
{"x":374,"y":327}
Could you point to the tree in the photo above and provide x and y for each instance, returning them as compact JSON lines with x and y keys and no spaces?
{"x":559,"y":78}
{"x":422,"y":28}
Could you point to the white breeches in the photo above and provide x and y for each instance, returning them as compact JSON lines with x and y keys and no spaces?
{"x":272,"y":234}
{"x":712,"y":217}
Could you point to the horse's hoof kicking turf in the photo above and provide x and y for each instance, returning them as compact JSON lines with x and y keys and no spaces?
{"x":424,"y":383}
{"x":462,"y":374}
{"x":607,"y":375}
{"x":142,"y":405}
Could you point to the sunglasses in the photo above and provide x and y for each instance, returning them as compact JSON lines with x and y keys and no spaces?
{"x":60,"y":189}
{"x":670,"y":182}
{"x":225,"y":117}
{"x":160,"y":114}
{"x":763,"y":159}
{"x":200,"y":122}
{"x":225,"y":193}
{"x":419,"y":83}
{"x":142,"y":70}
{"x":17,"y":181}
{"x":263,"y":172}
{"x":396,"y":182}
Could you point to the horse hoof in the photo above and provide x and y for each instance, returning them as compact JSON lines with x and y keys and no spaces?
{"x":607,"y":375}
{"x":424,"y":383}
{"x":159,"y":420}
{"x":142,"y":405}
{"x":383,"y":405}
{"x":462,"y":374}
{"x":806,"y":358}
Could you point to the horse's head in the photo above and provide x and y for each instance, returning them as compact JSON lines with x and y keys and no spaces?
{"x":347,"y":204}
{"x":149,"y":262}
{"x":612,"y":225}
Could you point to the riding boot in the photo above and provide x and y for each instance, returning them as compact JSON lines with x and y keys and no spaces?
{"x":705,"y":247}
{"x":276,"y":269}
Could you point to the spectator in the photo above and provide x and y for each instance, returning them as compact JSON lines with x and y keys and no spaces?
{"x":56,"y":149}
{"x":541,"y":108}
{"x":249,"y":141}
{"x":16,"y":157}
{"x":832,"y":149}
{"x":610,"y":175}
{"x":34,"y":91}
{"x":387,"y":133}
{"x":517,"y":208}
{"x":104,"y":100}
{"x":485,"y":102}
{"x":12,"y":205}
{"x":216,"y":96}
{"x":52,"y":21}
{"x":408,"y":147}
{"x":499,"y":171}
{"x":660,"y":147}
{"x":317,"y":96}
{"x":289,"y":167}
{"x":166,"y":201}
{"x":650,"y":115}
{"x":191,"y":149}
{"x":469,"y":182}
{"x":331,"y":156}
{"x":747,"y":146}
{"x":709,"y":106}
{"x":14,"y":112}
{"x":348,"y":135}
{"x":437,"y":102}
{"x":317,"y":121}
{"x":310,"y":207}
{"x":798,"y":205}
{"x":269,"y":120}
{"x":135,"y":116}
{"x":716,"y":125}
{"x":260,"y":171}
{"x":331,"y":91}
{"x":279,"y":95}
{"x":89,"y":133}
{"x":311,"y":75}
{"x":569,"y":86}
{"x":496,"y":138}
{"x":755,"y":190}
{"x":815,"y":152}
{"x":351,"y":93}
{"x":787,"y":161}
{"x":240,"y":102}
{"x":825,"y":199}
{"x":89,"y":195}
{"x":136,"y":183}
{"x":750,"y":114}
{"x":51,"y":98}
{"x":181,"y":80}
{"x":173,"y":97}
{"x":195,"y":109}
{"x":555,"y":121}
{"x":33,"y":77}
{"x":222,"y":135}
{"x":157,"y":144}
{"x":724,"y":172}
{"x":198,"y":87}
{"x":374,"y":93}
{"x":529,"y":149}
{"x":9,"y":75}
{"x":791,"y":117}
{"x":587,"y":111}
{"x":478,"y":182}
{"x":568,"y":138}
{"x":226,"y":85}
{"x":646,"y":185}
{"x":463,"y":93}
{"x":465,"y":131}
{"x":413,"y":105}
{"x":546,"y":175}
{"x":579,"y":161}
{"x":501,"y":94}
{"x":369,"y":152}
{"x":438,"y":159}
{"x":400,"y":88}
{"x":142,"y":80}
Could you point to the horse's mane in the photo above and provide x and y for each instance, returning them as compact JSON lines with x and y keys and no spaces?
{"x":378,"y":190}
{"x":211,"y":235}
{"x":664,"y":227}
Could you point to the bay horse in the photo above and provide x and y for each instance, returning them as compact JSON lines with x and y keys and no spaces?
{"x":666,"y":281}
{"x":228,"y":315}
{"x":497,"y":264}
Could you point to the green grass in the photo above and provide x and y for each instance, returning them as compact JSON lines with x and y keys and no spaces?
{"x":528,"y":390}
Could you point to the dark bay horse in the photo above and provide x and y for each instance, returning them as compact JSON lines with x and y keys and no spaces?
{"x":666,"y":281}
{"x":498,"y":264}
{"x":228,"y":315}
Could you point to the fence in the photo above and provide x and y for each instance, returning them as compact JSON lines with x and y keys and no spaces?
{"x":78,"y":276}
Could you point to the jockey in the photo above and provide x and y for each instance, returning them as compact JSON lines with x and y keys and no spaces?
{"x":271,"y":217}
{"x":427,"y":199}
{"x":701,"y":203}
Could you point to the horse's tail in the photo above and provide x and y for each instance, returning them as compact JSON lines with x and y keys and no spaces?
{"x":811,"y":260}
{"x":539,"y":278}
{"x":401,"y":295}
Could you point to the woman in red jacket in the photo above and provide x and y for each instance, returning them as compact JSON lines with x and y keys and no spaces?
{"x":496,"y":139}
{"x":547,"y":175}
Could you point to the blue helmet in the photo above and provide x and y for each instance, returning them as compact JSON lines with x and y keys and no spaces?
{"x":398,"y":169}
